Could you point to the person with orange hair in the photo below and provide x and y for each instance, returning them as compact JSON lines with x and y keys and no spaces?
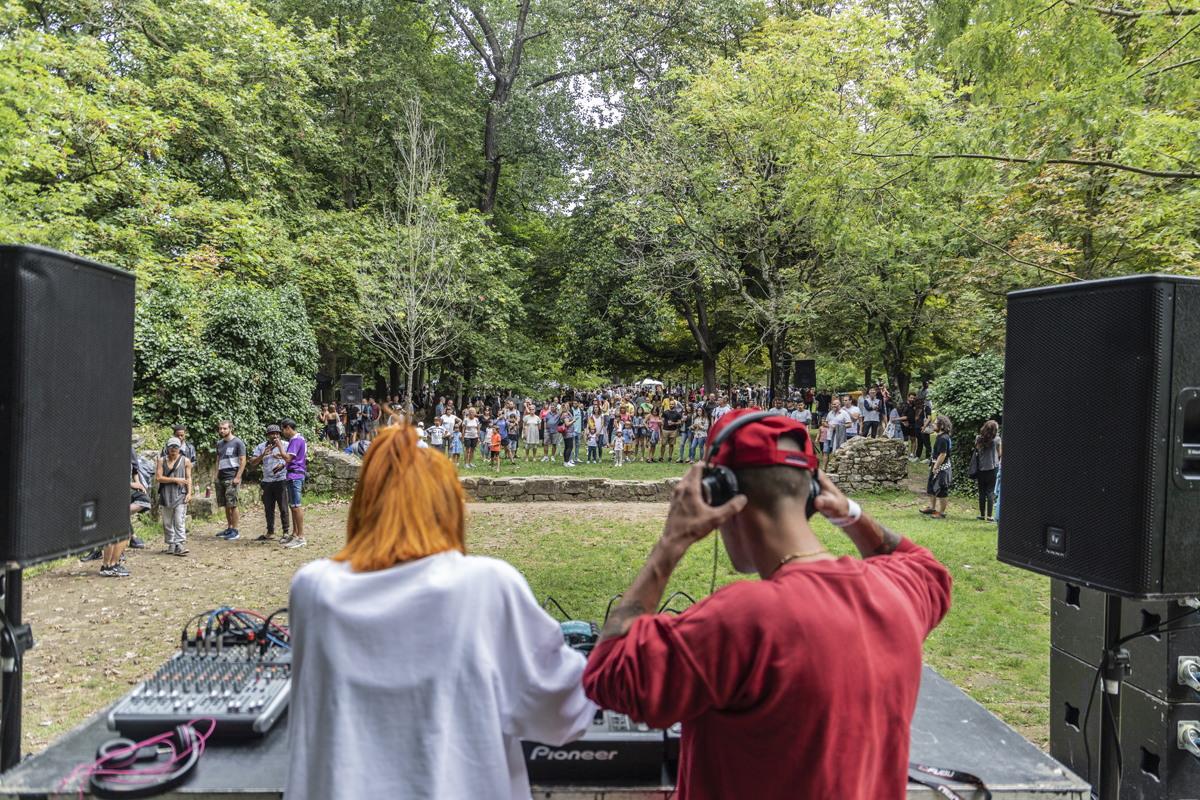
{"x":418,"y":669}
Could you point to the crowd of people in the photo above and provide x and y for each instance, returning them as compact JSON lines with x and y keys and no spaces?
{"x":618,"y":425}
{"x":622,"y":424}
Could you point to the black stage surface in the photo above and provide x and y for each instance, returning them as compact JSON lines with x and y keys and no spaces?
{"x":949,"y":730}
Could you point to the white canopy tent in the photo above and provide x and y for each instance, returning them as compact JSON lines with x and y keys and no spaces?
{"x":650,"y":382}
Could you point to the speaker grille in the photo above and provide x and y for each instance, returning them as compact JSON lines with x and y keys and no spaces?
{"x":66,"y":399}
{"x":1083,"y":391}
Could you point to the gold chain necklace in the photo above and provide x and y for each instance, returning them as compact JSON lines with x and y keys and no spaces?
{"x":794,"y":556}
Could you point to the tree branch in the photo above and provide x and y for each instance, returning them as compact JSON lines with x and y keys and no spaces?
{"x":1154,"y":173}
{"x":462,"y":26}
{"x":141,"y":27}
{"x":1174,"y":66}
{"x":1113,"y":11}
{"x":558,"y":76}
{"x":1067,"y":275}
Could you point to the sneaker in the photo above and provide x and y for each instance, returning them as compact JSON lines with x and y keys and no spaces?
{"x":937,"y":515}
{"x":266,"y":538}
{"x":234,"y":534}
{"x":294,"y":543}
{"x":287,"y":537}
{"x":113,"y":572}
{"x":136,"y":543}
{"x":545,"y":458}
{"x":121,"y":571}
{"x":224,"y":533}
{"x":180,"y":550}
{"x":928,"y":510}
{"x":95,"y":555}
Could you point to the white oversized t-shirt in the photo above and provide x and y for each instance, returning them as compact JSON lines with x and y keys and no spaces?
{"x":419,"y":681}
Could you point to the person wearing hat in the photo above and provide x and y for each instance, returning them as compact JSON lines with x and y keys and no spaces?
{"x":174,"y":477}
{"x":273,"y":457}
{"x":801,"y":684}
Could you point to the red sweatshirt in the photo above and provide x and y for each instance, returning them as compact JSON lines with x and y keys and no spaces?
{"x":801,"y":686}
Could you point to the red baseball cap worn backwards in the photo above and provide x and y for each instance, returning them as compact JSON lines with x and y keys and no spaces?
{"x":756,"y":444}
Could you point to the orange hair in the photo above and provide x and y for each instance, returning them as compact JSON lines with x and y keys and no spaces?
{"x":408,"y":504}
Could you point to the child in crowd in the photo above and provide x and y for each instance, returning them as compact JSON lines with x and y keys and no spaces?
{"x":456,"y":445}
{"x":620,"y":436}
{"x":435,"y":438}
{"x":496,"y":439}
{"x":593,"y":443}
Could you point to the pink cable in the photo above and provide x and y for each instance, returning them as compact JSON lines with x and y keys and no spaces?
{"x":159,"y":769}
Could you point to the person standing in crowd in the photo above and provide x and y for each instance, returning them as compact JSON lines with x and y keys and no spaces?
{"x":331,"y":420}
{"x":231,"y":462}
{"x":923,"y":444}
{"x":471,"y":432}
{"x":593,"y":447}
{"x":801,"y":414}
{"x":185,"y":448}
{"x":566,"y":420}
{"x":940,"y":475}
{"x":456,"y":444}
{"x":551,"y":438}
{"x":685,"y":428}
{"x":533,"y":424}
{"x":621,"y":440}
{"x":437,"y":438}
{"x":296,"y":453}
{"x":700,"y":426}
{"x":638,"y":425}
{"x":139,"y":503}
{"x":852,"y":411}
{"x":836,"y":423}
{"x":871,"y":409}
{"x":915,"y":416}
{"x":496,"y":442}
{"x":824,"y":400}
{"x":174,"y":477}
{"x":273,"y":457}
{"x":987,"y":454}
{"x":722,"y":408}
{"x":514,"y":436}
{"x":654,"y":427}
{"x":577,"y":417}
{"x":351,"y":414}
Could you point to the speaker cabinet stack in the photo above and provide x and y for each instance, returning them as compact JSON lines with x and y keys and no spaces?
{"x":806,"y":373}
{"x":1102,"y":493}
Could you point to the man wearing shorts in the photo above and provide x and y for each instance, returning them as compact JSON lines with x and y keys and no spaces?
{"x":551,"y":438}
{"x":296,"y":454}
{"x":231,"y":462}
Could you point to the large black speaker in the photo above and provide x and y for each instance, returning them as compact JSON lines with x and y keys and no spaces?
{"x":352,"y":388}
{"x":1102,"y":435}
{"x":806,"y":373}
{"x":66,"y":400}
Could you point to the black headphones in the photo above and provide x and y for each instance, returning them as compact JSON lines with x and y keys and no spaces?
{"x":721,"y":484}
{"x":117,"y":755}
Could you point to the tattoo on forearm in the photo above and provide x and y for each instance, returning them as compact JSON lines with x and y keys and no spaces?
{"x":622,"y":618}
{"x":891,"y":540}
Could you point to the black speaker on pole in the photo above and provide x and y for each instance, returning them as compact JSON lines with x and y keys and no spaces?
{"x":352,"y":388}
{"x":1102,"y":435}
{"x":66,"y":400}
{"x":806,"y":373}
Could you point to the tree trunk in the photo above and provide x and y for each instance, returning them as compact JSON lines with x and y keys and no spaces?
{"x":489,"y":181}
{"x":393,"y":379}
{"x":709,"y":365}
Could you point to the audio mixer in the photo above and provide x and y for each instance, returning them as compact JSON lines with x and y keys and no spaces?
{"x":243,"y":690}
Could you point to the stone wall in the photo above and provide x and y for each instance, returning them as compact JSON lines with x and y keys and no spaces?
{"x":869,"y":465}
{"x":544,"y":488}
{"x":331,"y":471}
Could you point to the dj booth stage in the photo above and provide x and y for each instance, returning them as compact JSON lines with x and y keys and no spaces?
{"x":949,"y":730}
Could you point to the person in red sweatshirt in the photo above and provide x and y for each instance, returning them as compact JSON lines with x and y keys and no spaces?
{"x":802,"y":684}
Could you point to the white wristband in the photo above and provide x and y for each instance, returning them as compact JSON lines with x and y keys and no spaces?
{"x":852,"y":515}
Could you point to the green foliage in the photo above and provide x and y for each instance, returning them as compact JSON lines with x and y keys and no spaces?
{"x":222,"y":351}
{"x":970,"y":394}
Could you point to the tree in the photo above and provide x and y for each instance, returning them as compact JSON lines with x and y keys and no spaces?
{"x":414,"y":287}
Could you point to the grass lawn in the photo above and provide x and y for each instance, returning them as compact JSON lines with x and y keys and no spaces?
{"x":637,"y":471}
{"x":994,"y":644}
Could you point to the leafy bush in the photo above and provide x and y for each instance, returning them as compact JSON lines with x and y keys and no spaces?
{"x":970,"y":395}
{"x":222,"y":351}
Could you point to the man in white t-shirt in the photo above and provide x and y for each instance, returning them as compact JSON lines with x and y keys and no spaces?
{"x":871,"y":417}
{"x":850,"y":408}
{"x":722,"y":408}
{"x":801,"y":414}
{"x":436,"y":436}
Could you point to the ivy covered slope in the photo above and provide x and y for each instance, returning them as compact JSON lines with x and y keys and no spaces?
{"x":222,"y":351}
{"x":970,"y":395}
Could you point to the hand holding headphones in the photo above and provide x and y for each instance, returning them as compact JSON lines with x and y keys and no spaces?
{"x":691,"y":517}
